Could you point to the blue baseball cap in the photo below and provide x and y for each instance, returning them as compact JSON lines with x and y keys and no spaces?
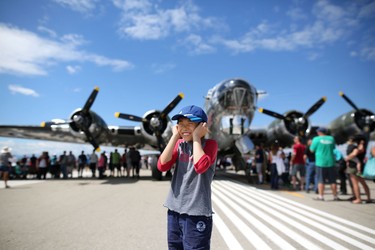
{"x":193,"y":113}
{"x":322,"y":130}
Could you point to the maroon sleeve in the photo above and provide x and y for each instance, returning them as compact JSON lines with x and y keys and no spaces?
{"x":208,"y":159}
{"x":168,"y":165}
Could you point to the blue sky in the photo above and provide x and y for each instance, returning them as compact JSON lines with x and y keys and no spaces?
{"x":141,"y":54}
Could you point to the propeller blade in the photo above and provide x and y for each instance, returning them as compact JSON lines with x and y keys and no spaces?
{"x":271,"y":113}
{"x":91,"y":100}
{"x":171,"y":105}
{"x":129,"y":117}
{"x":161,"y":142}
{"x":315,"y":107}
{"x":46,"y":124}
{"x":92,"y":140}
{"x":349,"y":101}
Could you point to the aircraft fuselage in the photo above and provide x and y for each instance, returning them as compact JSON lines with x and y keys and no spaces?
{"x":230,"y":108}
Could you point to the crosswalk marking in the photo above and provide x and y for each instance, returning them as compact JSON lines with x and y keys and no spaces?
{"x":303,"y":211}
{"x":244,"y":229}
{"x":266,"y":230}
{"x":311,"y":222}
{"x":259,"y":225}
{"x":229,"y":238}
{"x":290,"y":219}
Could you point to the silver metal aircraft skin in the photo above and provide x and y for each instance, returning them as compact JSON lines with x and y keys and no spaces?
{"x":230,"y":107}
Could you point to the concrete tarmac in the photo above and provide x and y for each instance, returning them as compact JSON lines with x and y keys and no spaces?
{"x":117,"y":213}
{"x":113,"y":213}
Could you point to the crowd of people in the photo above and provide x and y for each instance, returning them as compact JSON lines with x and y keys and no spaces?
{"x":62,"y":166}
{"x":311,"y":165}
{"x":308,"y":167}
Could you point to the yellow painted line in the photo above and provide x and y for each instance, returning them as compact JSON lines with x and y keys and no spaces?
{"x":295,"y":194}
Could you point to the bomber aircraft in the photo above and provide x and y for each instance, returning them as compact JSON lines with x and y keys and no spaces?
{"x":230,"y":107}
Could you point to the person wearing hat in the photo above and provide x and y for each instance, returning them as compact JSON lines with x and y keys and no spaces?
{"x":189,"y":199}
{"x":323,"y":146}
{"x":5,"y":165}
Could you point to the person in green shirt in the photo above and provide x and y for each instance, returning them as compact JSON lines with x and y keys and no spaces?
{"x":323,"y":146}
{"x":116,"y":163}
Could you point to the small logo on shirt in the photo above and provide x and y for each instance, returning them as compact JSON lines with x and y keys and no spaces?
{"x":201,"y":226}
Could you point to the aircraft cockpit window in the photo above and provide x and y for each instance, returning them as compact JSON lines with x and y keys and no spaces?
{"x":236,"y":98}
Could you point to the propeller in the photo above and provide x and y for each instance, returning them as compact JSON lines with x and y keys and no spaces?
{"x":155,"y":122}
{"x":296,"y":122}
{"x":80,"y":120}
{"x":365,"y":119}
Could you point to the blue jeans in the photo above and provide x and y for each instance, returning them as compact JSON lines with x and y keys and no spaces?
{"x":64,"y":171}
{"x":186,"y":232}
{"x":274,"y":177}
{"x":311,"y":176}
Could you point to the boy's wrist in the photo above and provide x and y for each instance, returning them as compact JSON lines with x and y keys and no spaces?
{"x":176,"y":136}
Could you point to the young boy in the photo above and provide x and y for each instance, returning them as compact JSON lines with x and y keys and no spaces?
{"x":189,"y":200}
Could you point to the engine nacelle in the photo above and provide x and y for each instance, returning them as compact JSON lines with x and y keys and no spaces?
{"x":152,"y":121}
{"x":283,"y":131}
{"x":80,"y":121}
{"x":352,"y":123}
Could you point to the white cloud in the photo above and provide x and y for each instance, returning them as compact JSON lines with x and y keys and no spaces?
{"x":15,"y":89}
{"x":24,"y":52}
{"x":146,"y":21}
{"x":82,"y":6}
{"x":312,"y":56}
{"x":368,"y":53}
{"x":73,"y":69}
{"x":73,"y":40}
{"x":197,"y":46}
{"x":162,"y":68}
{"x":367,"y":10}
{"x":117,"y":65}
{"x":330,"y":24}
{"x":50,"y":32}
{"x":133,"y":5}
{"x":296,"y":14}
{"x":327,"y":23}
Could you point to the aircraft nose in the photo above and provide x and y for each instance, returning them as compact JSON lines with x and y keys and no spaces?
{"x":234,"y":125}
{"x":239,"y":83}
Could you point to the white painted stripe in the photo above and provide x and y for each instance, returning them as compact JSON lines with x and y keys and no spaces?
{"x":225,"y":233}
{"x":281,"y":216}
{"x":255,"y":240}
{"x":307,"y":208}
{"x":311,"y":222}
{"x":315,"y":219}
{"x":274,"y":223}
{"x":280,"y":242}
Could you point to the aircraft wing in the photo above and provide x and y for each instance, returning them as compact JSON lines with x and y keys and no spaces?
{"x":116,"y":136}
{"x":38,"y":132}
{"x":85,"y":126}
